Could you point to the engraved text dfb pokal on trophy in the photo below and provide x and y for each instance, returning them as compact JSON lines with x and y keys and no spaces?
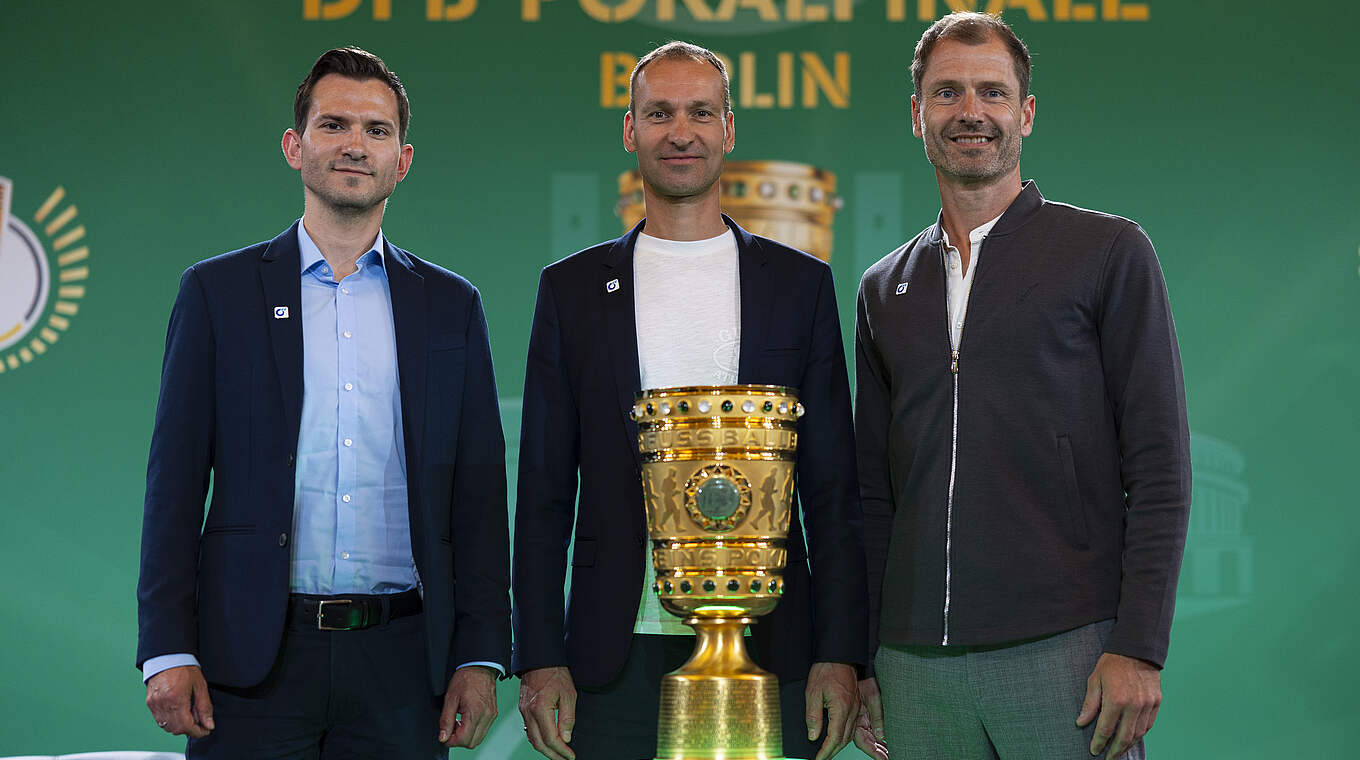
{"x":717,"y":479}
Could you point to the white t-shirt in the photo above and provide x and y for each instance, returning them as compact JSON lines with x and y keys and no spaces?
{"x":687,"y":303}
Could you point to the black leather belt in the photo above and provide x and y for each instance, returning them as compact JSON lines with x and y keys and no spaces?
{"x":350,"y":612}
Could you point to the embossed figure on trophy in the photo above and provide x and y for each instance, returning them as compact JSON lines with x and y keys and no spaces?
{"x":765,"y":518}
{"x":787,"y":498}
{"x":652,"y":500}
{"x":670,"y":513}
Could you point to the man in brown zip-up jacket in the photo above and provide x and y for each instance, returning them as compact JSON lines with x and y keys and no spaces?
{"x":1023,"y":445}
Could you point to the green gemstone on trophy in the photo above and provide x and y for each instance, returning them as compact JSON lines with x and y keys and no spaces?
{"x":718,"y":498}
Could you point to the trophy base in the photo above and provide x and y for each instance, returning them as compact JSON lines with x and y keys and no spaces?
{"x":719,"y":705}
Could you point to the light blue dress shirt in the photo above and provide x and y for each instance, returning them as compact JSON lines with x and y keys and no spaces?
{"x":351,"y":526}
{"x":351,"y":529}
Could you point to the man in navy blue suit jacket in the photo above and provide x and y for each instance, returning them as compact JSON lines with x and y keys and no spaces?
{"x":348,"y":590}
{"x":686,"y":297}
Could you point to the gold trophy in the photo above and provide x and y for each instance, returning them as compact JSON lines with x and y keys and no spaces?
{"x":717,"y":479}
{"x":781,"y":200}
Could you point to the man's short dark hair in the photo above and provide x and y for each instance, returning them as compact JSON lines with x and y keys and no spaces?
{"x":353,"y":63}
{"x":676,"y":51}
{"x":971,"y":28}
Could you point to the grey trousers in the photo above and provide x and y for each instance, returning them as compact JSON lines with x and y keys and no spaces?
{"x":1015,"y":701}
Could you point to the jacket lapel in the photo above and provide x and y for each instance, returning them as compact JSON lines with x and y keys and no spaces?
{"x":408,"y":321}
{"x":281,"y":278}
{"x":756,"y":300}
{"x":620,"y":329}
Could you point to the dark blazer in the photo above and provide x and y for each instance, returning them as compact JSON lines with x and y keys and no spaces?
{"x":230,"y":406}
{"x":581,"y":377}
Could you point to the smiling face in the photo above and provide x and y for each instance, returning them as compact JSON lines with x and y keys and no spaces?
{"x":970,"y":112}
{"x":679,"y":129}
{"x":349,"y":152}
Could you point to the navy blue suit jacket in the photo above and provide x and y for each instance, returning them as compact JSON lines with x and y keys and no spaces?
{"x":230,"y":406}
{"x":580,"y":381}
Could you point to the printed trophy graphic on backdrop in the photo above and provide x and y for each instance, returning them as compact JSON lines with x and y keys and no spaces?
{"x":792,"y":203}
{"x":26,"y":276}
{"x":717,"y":479}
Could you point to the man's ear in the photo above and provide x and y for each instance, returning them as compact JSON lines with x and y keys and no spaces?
{"x":629,"y":139}
{"x":292,"y":149}
{"x":1027,"y":116}
{"x":404,"y":161}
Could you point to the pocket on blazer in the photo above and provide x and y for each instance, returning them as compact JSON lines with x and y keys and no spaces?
{"x":229,"y":529}
{"x":1076,"y":515}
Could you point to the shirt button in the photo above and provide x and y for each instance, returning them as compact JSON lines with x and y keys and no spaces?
{"x":348,"y":334}
{"x":344,"y":290}
{"x":349,"y":441}
{"x":349,"y":386}
{"x":953,"y":265}
{"x":283,"y":539}
{"x":325,"y":270}
{"x":344,"y":555}
{"x":345,"y":498}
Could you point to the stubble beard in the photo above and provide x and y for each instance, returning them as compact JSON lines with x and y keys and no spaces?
{"x":1007,"y":158}
{"x":683,"y":186}
{"x":345,"y":203}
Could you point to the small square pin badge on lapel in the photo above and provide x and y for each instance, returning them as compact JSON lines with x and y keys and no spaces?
{"x":280,"y":312}
{"x":612,"y":285}
{"x":901,"y":288}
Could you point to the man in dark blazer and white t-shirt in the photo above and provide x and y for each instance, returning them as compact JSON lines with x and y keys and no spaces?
{"x":686,"y":297}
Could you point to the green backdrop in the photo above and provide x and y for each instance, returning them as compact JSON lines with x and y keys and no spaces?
{"x":1225,"y":128}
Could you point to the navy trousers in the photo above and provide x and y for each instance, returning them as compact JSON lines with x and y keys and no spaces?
{"x":333,"y":695}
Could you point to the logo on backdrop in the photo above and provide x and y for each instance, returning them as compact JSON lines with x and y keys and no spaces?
{"x":1219,"y":558}
{"x":43,"y":270}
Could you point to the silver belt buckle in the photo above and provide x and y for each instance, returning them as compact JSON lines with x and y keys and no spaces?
{"x":320,"y":613}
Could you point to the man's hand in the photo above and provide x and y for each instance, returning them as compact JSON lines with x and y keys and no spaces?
{"x":1125,"y":691}
{"x":469,"y":707}
{"x":547,"y":700}
{"x":831,"y":686}
{"x":178,"y":700}
{"x":869,"y":727}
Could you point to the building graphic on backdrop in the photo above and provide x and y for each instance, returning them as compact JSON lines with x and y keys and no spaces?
{"x":43,"y":271}
{"x":1217,"y":571}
